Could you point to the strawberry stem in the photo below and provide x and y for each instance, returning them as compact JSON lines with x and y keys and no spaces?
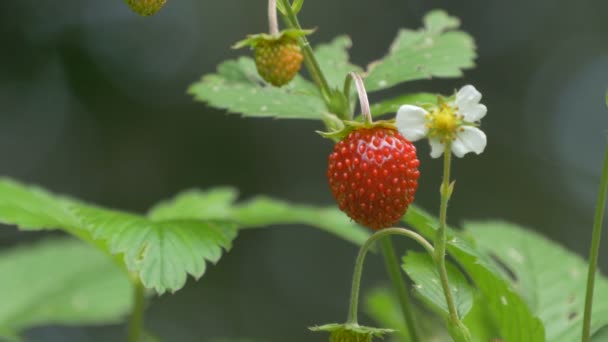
{"x":273,"y":24}
{"x":394,"y":272}
{"x":136,"y":322}
{"x":363,"y":100}
{"x":310,"y":61}
{"x":595,"y":247}
{"x":440,"y":244}
{"x":356,"y":283}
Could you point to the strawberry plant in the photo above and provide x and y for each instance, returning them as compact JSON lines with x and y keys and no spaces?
{"x":485,"y":281}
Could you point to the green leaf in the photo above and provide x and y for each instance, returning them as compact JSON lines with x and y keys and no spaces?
{"x":480,"y":322}
{"x":606,"y":98}
{"x":514,"y":318}
{"x":33,"y":208}
{"x":437,"y":50}
{"x":334,"y":61}
{"x":163,"y":252}
{"x":392,"y":105}
{"x":382,"y":305}
{"x":213,"y":204}
{"x":421,"y":268}
{"x":550,"y":278}
{"x":60,"y":281}
{"x":260,"y":211}
{"x":238,"y":88}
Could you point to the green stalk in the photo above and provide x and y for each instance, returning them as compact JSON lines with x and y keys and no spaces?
{"x":136,"y":322}
{"x":595,"y":247}
{"x":310,"y":61}
{"x":356,"y":283}
{"x":394,"y":271}
{"x":440,"y":248}
{"x":440,"y":239}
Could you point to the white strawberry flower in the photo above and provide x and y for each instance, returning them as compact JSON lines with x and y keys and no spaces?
{"x":453,"y":121}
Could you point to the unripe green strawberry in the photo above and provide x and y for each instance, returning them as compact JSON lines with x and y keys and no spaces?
{"x":278,"y":60}
{"x":146,"y":7}
{"x":373,"y":175}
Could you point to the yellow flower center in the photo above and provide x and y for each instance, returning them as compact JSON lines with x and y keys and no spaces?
{"x":443,"y":123}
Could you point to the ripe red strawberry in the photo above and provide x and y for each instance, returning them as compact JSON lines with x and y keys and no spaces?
{"x":373,"y":174}
{"x":146,"y":7}
{"x":278,"y":60}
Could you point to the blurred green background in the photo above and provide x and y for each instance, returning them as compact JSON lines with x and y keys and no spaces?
{"x":93,"y":103}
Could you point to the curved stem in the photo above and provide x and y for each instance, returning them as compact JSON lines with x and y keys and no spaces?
{"x":136,"y":322}
{"x":273,"y":25}
{"x":595,"y":247}
{"x":394,"y":272}
{"x":441,"y":237}
{"x":363,"y":100}
{"x":309,"y":58}
{"x":356,"y":283}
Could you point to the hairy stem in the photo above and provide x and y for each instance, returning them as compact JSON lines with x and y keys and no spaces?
{"x":273,"y":25}
{"x":136,"y":322}
{"x":310,"y":61}
{"x":394,"y":271}
{"x":595,"y":247}
{"x":441,"y":237}
{"x":356,"y":283}
{"x":363,"y":100}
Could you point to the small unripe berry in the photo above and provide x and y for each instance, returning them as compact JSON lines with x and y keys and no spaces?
{"x":278,"y":60}
{"x":146,"y":7}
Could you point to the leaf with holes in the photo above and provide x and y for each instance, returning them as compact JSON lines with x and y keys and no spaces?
{"x":60,"y":281}
{"x":515,"y":321}
{"x":162,"y":251}
{"x":437,"y":50}
{"x":550,"y":278}
{"x":421,"y":268}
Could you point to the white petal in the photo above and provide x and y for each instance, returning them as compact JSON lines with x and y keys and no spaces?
{"x":437,"y":148}
{"x":471,"y":139}
{"x":473,"y":113}
{"x":467,"y":96}
{"x":411,"y":122}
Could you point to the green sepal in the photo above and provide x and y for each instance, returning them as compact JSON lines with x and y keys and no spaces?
{"x":339,"y":104}
{"x":254,"y":39}
{"x":295,"y":7}
{"x":351,"y":332}
{"x":350,"y":126}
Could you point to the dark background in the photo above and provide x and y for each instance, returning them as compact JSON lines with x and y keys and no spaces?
{"x":93,"y":103}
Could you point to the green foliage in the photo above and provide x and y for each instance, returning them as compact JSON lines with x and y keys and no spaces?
{"x":550,"y":278}
{"x":334,"y":61}
{"x":422,"y":270}
{"x":514,"y":320}
{"x":260,"y":211}
{"x":238,"y":88}
{"x":382,"y":305}
{"x":161,"y":252}
{"x":176,"y":238}
{"x":392,"y":105}
{"x":437,"y":50}
{"x":59,"y":281}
